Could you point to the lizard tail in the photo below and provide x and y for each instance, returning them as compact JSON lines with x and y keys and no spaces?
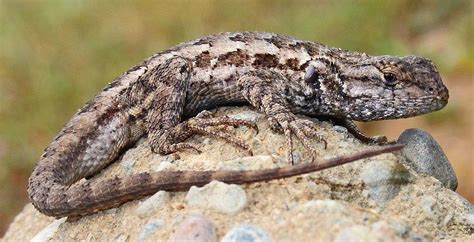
{"x":88,"y":197}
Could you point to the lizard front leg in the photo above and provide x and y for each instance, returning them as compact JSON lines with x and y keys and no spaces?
{"x":263,"y":90}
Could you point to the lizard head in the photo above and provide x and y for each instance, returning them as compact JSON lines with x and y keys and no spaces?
{"x":386,"y":87}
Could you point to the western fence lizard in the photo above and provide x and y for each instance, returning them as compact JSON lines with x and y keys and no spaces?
{"x":278,"y":75}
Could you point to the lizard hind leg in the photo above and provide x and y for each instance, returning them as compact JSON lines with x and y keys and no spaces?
{"x":203,"y":124}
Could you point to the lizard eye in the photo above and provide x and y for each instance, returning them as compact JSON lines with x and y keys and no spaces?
{"x":390,"y":79}
{"x":311,"y":77}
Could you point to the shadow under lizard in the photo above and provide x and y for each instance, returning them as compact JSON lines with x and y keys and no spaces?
{"x":278,"y":75}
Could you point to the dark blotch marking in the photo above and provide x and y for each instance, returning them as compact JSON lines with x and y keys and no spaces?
{"x":278,"y":41}
{"x":293,"y":64}
{"x":241,"y":38}
{"x":265,"y":60}
{"x":203,"y":41}
{"x":203,"y":60}
{"x":237,"y":58}
{"x":134,"y":68}
{"x":311,"y":48}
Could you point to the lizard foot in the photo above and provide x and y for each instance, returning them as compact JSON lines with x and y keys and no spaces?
{"x":354,"y":130}
{"x":303,"y":129}
{"x":204,"y":124}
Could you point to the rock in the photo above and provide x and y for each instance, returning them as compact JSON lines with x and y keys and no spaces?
{"x":152,"y":204}
{"x":322,"y":206}
{"x":121,"y":238}
{"x":383,"y":179}
{"x":249,"y":162}
{"x":195,"y":228}
{"x":377,"y":195}
{"x":149,"y":229}
{"x":356,"y":233}
{"x":48,"y":232}
{"x":247,"y":233}
{"x":425,"y":155}
{"x":218,"y":196}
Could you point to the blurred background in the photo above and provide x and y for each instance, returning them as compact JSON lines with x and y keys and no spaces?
{"x":55,"y":55}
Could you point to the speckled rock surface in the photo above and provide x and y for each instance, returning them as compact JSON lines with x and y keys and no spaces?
{"x":349,"y":202}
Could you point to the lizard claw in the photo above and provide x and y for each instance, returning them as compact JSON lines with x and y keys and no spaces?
{"x":303,"y":129}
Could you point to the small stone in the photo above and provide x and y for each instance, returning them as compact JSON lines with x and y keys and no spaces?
{"x":247,"y":163}
{"x":206,"y":141}
{"x":152,"y":204}
{"x":162,"y":165}
{"x":229,"y":199}
{"x":425,"y":155}
{"x":195,"y":228}
{"x":354,"y":233}
{"x":324,"y":206}
{"x":246,"y":115}
{"x":49,"y":231}
{"x":383,"y":179}
{"x":121,"y":238}
{"x":448,"y":218}
{"x":247,"y":233}
{"x":128,"y":165}
{"x":382,"y":229}
{"x":149,"y":229}
{"x":340,"y":129}
{"x":468,"y":219}
{"x":430,"y":207}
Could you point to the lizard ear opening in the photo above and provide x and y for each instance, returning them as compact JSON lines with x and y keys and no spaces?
{"x":311,"y":77}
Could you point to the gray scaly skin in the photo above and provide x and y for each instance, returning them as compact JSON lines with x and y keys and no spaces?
{"x":278,"y":75}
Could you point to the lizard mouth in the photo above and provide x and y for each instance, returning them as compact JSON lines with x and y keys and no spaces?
{"x":398,"y":108}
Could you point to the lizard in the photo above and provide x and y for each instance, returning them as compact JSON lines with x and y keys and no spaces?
{"x":164,"y":98}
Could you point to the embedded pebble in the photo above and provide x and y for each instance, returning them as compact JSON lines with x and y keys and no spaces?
{"x":382,"y":229}
{"x":430,"y":207}
{"x":225,"y":198}
{"x":323,"y":206}
{"x":383,"y":179}
{"x":152,"y":204}
{"x":149,"y":229}
{"x":247,"y":233}
{"x":195,"y":228}
{"x":247,"y":163}
{"x":355,"y":233}
{"x":121,"y":238}
{"x":340,"y":129}
{"x":127,"y":165}
{"x":49,"y":231}
{"x":425,"y":155}
{"x":248,"y":115}
{"x":468,"y":219}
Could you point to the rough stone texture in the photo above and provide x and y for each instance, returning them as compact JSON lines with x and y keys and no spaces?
{"x":425,"y":155}
{"x":153,"y":203}
{"x":384,"y":179}
{"x":194,"y":228}
{"x":218,"y":196}
{"x":335,"y":204}
{"x":246,"y":232}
